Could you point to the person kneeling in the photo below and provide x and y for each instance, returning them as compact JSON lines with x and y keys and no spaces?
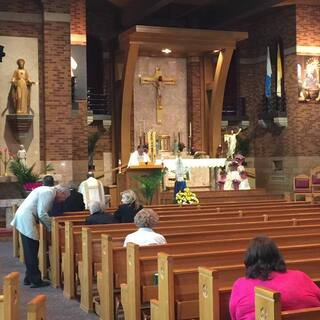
{"x":98,"y":215}
{"x":145,"y":220}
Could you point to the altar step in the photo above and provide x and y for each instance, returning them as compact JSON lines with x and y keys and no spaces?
{"x":210,"y":196}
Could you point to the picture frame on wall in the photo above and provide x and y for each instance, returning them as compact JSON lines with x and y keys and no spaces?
{"x":308,"y":72}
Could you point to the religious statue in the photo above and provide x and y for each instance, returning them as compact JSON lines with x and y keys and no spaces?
{"x":22,"y":154}
{"x":231,"y":140}
{"x":21,"y":88}
{"x":158,"y":82}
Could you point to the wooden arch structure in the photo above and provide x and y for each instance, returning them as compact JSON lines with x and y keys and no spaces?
{"x":146,"y":40}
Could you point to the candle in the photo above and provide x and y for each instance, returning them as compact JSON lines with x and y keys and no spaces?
{"x":178,"y":136}
{"x":190,"y":129}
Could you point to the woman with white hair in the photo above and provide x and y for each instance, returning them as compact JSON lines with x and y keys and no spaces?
{"x":98,"y":214}
{"x":128,"y":208}
{"x":145,"y":220}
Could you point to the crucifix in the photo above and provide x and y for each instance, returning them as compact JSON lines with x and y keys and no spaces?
{"x":158,"y":81}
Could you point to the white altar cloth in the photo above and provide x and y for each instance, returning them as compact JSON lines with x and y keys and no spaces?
{"x":194,"y":163}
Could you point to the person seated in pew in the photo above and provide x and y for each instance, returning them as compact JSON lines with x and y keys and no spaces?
{"x":266,"y":267}
{"x":75,"y":201}
{"x":145,"y":220}
{"x":128,"y":208}
{"x":98,"y":214}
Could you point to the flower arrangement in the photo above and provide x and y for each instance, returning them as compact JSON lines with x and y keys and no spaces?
{"x":5,"y":156}
{"x":186,"y":197}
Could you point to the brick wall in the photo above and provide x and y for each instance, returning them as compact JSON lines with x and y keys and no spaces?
{"x":194,"y":101}
{"x":78,"y":16}
{"x":262,"y":33}
{"x":308,"y":25}
{"x":57,"y":84}
{"x":104,"y":143}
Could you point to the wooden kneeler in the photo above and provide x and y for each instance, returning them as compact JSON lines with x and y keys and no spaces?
{"x":37,"y":308}
{"x":9,"y":301}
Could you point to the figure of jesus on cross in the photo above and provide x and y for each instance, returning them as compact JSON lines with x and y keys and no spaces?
{"x":158,"y":81}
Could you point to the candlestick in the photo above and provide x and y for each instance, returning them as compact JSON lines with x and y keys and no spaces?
{"x":190,"y":129}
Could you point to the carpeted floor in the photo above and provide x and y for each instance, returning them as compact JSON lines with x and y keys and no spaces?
{"x":58,"y":307}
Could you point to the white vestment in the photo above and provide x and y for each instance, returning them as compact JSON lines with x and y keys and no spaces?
{"x":135,"y":158}
{"x":92,"y":190}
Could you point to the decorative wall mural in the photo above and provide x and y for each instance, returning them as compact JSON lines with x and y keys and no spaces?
{"x":308,"y":69}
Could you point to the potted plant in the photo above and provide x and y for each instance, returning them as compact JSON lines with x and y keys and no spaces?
{"x":149,"y":184}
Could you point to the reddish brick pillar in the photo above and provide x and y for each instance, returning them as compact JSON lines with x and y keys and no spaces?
{"x":57,"y":86}
{"x":195,"y":102}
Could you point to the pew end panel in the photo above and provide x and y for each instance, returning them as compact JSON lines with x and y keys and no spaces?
{"x":37,"y":308}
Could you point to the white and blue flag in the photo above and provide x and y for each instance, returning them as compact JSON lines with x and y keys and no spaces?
{"x":268,"y":75}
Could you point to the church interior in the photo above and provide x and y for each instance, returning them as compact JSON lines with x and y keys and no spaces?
{"x":204,"y":110}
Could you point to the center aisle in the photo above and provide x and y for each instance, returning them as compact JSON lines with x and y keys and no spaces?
{"x":58,"y":307}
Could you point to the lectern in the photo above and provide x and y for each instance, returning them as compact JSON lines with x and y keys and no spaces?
{"x":127,"y":180}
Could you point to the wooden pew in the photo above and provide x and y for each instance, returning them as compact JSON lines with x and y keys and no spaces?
{"x":72,"y":249}
{"x":268,"y":307}
{"x":36,"y":309}
{"x":188,"y":291}
{"x":130,"y":292}
{"x":9,"y":301}
{"x":215,"y":287}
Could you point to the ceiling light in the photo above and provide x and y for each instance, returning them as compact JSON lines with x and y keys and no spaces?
{"x":166,"y":50}
{"x":216,"y":51}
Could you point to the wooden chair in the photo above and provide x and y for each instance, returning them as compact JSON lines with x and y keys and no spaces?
{"x":9,"y":301}
{"x":268,"y":307}
{"x":301,"y":187}
{"x":315,"y":179}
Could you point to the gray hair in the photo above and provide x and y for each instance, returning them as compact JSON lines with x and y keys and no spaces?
{"x":95,"y":206}
{"x":62,"y":189}
{"x":146,"y":218}
{"x":128,"y":197}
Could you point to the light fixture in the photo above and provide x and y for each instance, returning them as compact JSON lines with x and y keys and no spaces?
{"x":166,"y":50}
{"x":216,"y":51}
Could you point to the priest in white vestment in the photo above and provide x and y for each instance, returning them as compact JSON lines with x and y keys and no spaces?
{"x":92,"y":190}
{"x":138,"y":156}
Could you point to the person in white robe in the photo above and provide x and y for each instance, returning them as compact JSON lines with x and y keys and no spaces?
{"x":138,"y":156}
{"x":92,"y":190}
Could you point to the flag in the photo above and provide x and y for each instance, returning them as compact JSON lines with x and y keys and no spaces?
{"x":268,"y":75}
{"x":279,"y":73}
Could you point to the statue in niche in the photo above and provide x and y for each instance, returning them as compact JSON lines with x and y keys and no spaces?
{"x":21,"y":89}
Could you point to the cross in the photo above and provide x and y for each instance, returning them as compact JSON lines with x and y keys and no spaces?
{"x":158,"y":81}
{"x":2,"y":54}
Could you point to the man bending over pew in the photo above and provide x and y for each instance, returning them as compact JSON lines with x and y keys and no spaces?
{"x":266,"y":267}
{"x":145,"y":220}
{"x":35,"y":209}
{"x":98,"y":215}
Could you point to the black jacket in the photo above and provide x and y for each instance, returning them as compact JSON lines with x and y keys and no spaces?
{"x":100,"y":218}
{"x":126,"y":213}
{"x":74,"y":202}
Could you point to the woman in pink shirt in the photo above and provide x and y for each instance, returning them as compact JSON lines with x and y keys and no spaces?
{"x":266,"y":267}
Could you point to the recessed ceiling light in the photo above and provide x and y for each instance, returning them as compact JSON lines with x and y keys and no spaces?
{"x":166,"y":50}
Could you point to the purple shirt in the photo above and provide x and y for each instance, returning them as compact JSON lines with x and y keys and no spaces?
{"x":296,"y":288}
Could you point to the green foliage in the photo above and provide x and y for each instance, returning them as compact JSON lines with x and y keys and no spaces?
{"x":149,"y":184}
{"x":22,"y":172}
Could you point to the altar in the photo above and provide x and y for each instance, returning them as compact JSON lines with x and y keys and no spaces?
{"x":201,"y":173}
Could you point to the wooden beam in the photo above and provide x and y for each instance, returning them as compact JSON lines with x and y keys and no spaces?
{"x":127,"y":100}
{"x":216,"y":104}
